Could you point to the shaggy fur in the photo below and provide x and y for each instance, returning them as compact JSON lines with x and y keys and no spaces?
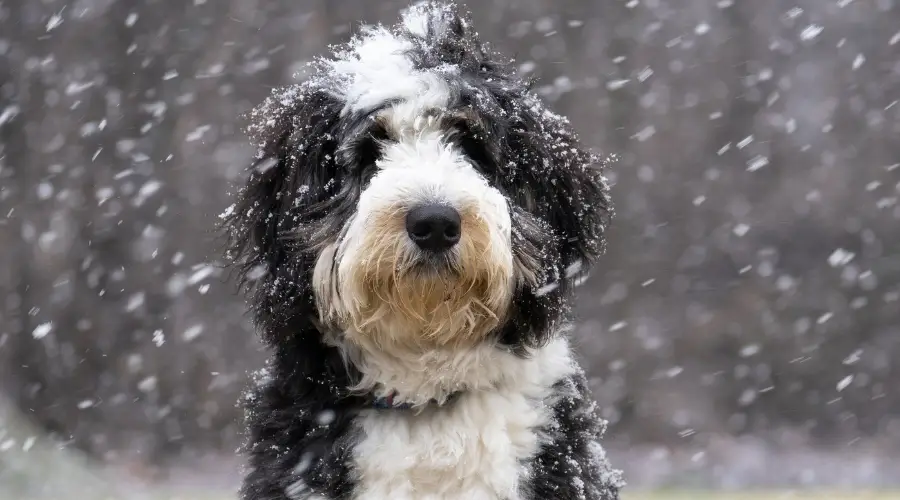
{"x":399,"y":371}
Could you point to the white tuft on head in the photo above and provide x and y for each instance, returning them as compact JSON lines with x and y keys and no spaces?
{"x":375,"y":68}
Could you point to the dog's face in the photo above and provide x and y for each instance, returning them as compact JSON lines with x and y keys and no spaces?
{"x":425,"y":256}
{"x":414,"y":192}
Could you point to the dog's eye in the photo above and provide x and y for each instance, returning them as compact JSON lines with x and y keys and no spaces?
{"x":473,"y":147}
{"x":369,"y":150}
{"x":470,"y":137}
{"x":473,"y":144}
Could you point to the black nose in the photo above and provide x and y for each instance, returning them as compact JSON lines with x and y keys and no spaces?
{"x":433,"y":227}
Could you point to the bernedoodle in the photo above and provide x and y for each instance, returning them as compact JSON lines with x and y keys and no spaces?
{"x":410,"y":234}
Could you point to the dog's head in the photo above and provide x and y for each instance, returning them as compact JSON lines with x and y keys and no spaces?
{"x":413,"y":191}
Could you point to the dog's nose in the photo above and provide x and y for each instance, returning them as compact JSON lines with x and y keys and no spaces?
{"x":433,"y":227}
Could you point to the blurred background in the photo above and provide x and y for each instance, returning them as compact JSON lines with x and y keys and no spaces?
{"x":743,"y":330}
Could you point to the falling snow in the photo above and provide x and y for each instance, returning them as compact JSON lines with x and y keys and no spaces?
{"x":42,"y":330}
{"x":840,"y":257}
{"x":844,"y":383}
{"x":741,"y":229}
{"x":757,"y":163}
{"x":616,"y":84}
{"x":54,"y":22}
{"x":811,"y":32}
{"x":747,"y":304}
{"x":192,"y":333}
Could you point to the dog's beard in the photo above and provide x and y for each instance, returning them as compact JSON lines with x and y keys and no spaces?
{"x":388,"y":293}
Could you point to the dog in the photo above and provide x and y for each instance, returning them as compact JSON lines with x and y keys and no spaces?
{"x":409,"y":236}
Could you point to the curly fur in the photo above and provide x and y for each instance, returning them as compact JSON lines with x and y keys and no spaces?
{"x":474,"y":341}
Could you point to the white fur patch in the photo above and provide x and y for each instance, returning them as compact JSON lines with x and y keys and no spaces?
{"x":415,"y":19}
{"x":473,"y":449}
{"x":375,"y":68}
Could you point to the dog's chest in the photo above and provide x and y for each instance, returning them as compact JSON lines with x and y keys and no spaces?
{"x":476,"y":449}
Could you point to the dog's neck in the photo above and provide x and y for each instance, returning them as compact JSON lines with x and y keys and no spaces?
{"x":416,"y":378}
{"x":408,"y":379}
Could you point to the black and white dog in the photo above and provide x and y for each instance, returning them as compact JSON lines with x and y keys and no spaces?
{"x":410,"y":234}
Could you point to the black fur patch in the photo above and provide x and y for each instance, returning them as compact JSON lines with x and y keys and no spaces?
{"x":573,"y":466}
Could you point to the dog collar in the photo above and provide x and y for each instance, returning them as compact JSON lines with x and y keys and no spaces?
{"x":388,"y":402}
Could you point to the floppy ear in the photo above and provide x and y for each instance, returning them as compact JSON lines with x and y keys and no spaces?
{"x":570,"y":190}
{"x":566,"y":212}
{"x":290,"y":182}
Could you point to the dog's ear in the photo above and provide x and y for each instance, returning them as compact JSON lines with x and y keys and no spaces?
{"x":580,"y":209}
{"x":567,"y":183}
{"x":562,"y":211}
{"x":293,"y":172}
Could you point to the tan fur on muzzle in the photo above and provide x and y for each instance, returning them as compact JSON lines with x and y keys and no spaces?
{"x":388,"y":299}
